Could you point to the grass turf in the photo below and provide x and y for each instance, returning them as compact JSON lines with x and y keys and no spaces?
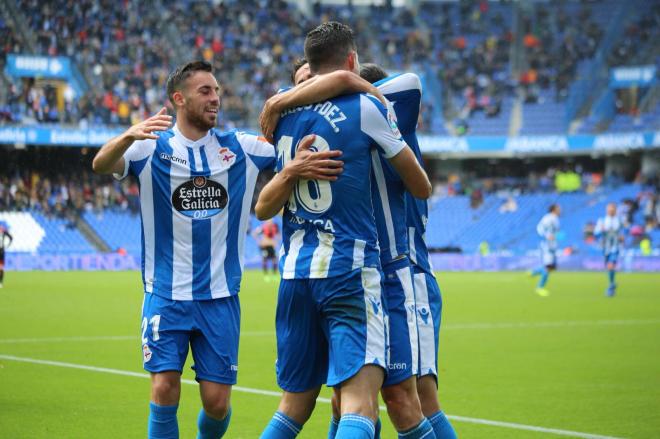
{"x":575,"y":360}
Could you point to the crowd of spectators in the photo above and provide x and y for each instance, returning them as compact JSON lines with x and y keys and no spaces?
{"x":125,"y":50}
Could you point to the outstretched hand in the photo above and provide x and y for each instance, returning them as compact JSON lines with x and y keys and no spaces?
{"x":145,"y":129}
{"x":315,"y":165}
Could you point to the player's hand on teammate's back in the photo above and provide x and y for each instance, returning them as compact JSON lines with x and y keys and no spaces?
{"x":312,"y":165}
{"x":161,"y":121}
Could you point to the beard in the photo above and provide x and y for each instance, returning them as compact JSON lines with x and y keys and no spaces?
{"x":200,"y":119}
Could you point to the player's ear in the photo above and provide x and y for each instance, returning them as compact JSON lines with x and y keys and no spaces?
{"x":178,"y":98}
{"x":352,"y":62}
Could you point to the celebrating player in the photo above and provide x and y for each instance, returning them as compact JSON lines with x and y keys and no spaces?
{"x":399,"y":391}
{"x":195,"y":190}
{"x":610,"y":229}
{"x":547,"y":229}
{"x":330,"y":295}
{"x":5,"y":241}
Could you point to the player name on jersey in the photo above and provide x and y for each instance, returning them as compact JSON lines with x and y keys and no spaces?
{"x":330,"y":112}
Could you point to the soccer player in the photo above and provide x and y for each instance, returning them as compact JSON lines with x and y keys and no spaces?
{"x":330,"y":303}
{"x":399,"y":391}
{"x":547,"y":229}
{"x":196,"y":185}
{"x":268,"y":233}
{"x":4,"y":237}
{"x":610,"y":229}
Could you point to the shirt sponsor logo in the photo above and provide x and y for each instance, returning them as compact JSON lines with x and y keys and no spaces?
{"x":200,"y":198}
{"x":171,"y":158}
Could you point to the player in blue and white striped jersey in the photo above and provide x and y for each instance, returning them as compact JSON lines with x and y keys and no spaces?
{"x":196,"y":187}
{"x":404,"y":91}
{"x":547,"y":229}
{"x":332,"y":249}
{"x":610,"y":230}
{"x":389,"y":202}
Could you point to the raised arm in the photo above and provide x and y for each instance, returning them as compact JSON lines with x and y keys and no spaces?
{"x":307,"y":165}
{"x":110,"y":158}
{"x":315,"y":89}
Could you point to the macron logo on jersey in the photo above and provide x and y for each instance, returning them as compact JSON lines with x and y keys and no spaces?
{"x":171,"y":158}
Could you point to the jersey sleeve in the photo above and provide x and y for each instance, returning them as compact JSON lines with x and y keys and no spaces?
{"x":405,"y":93}
{"x":379,"y":123}
{"x":139,"y":151}
{"x":258,"y":150}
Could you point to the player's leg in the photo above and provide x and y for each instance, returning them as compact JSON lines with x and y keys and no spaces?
{"x":429,"y":315}
{"x":215,"y":352}
{"x":549,"y":264}
{"x":354,"y":321}
{"x":610,"y":260}
{"x":399,"y":389}
{"x":302,"y":359}
{"x":165,"y":336}
{"x":336,"y":415}
{"x":2,"y":267}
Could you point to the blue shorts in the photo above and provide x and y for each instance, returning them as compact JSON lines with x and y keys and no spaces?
{"x":611,"y":258}
{"x":210,"y":327}
{"x":403,"y":353}
{"x":328,"y":329}
{"x":548,"y":255}
{"x":429,"y":312}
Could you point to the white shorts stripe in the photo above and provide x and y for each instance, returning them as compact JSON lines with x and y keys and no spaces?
{"x":358,"y":254}
{"x":376,"y":326}
{"x":405,"y":278}
{"x":147,"y":207}
{"x":425,"y":327}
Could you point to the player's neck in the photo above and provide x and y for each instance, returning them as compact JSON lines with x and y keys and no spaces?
{"x":189,"y":131}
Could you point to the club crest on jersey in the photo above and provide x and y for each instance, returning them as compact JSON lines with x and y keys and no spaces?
{"x":146,"y":353}
{"x":200,"y":198}
{"x":227,"y":158}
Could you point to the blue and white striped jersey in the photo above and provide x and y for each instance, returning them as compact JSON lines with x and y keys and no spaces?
{"x":547,"y":228}
{"x":609,"y":229}
{"x":405,"y":93}
{"x":195,"y":199}
{"x":329,"y":227}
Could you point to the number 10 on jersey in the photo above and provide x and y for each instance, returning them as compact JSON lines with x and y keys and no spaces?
{"x":314,"y":196}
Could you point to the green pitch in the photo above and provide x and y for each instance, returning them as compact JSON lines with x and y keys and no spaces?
{"x":574,"y":361}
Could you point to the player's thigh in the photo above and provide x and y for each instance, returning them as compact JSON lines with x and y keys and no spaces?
{"x":429,"y":315}
{"x":215,"y":339}
{"x":402,"y":323}
{"x":166,"y":327}
{"x":354,"y":321}
{"x":302,"y":350}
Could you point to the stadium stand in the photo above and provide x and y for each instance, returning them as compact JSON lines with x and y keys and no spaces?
{"x":488,"y":69}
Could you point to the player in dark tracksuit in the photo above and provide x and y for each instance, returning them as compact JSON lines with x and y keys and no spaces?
{"x":4,"y":235}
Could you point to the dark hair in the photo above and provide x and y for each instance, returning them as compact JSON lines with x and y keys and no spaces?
{"x":328,"y":44}
{"x":297,"y":64}
{"x":372,"y":72}
{"x":553,"y":207}
{"x":182,"y":73}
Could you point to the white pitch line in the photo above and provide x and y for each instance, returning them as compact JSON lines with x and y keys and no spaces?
{"x":465,"y":419}
{"x":449,"y":326}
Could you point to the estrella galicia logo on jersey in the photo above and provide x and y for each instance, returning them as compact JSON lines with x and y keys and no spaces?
{"x":200,"y":198}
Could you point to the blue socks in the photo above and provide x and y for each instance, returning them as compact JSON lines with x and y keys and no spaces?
{"x":441,"y":426}
{"x":334,"y":425}
{"x":424,"y":430}
{"x":210,"y":428}
{"x":352,"y":426}
{"x":162,"y":422}
{"x":544,"y":278}
{"x":281,"y":427}
{"x":610,"y":275}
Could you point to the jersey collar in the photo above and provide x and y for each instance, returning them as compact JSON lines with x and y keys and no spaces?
{"x":184,"y":141}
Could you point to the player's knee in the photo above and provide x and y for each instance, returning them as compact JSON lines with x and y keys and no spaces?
{"x":298,"y":406}
{"x":217,"y":408}
{"x":165,"y":389}
{"x":403,"y":405}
